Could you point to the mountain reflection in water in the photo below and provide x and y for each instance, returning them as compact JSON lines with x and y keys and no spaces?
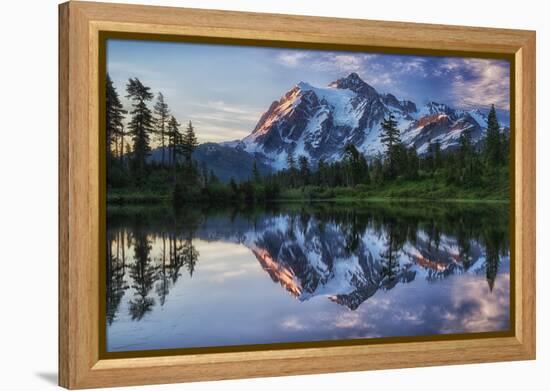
{"x":197,"y":278}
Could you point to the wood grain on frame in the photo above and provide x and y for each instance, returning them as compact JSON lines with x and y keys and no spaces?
{"x":80,"y":365}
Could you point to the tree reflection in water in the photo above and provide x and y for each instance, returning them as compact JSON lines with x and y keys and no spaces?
{"x":177,"y":251}
{"x":305,"y":248}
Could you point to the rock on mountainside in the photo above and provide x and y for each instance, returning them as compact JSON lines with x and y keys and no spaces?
{"x":319,"y":122}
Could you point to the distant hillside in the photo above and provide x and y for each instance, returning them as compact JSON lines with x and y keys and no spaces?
{"x":226,"y":162}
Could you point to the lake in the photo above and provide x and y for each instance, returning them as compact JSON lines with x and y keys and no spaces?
{"x":201,"y":277}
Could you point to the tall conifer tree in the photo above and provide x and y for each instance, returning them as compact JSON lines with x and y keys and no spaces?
{"x":162,"y":117}
{"x":256,"y":173}
{"x":291,"y":162}
{"x":190,"y":143}
{"x":390,"y":138}
{"x":303,"y":164}
{"x":114,"y":118}
{"x":493,"y":148}
{"x":141,"y":123}
{"x":174,"y":144}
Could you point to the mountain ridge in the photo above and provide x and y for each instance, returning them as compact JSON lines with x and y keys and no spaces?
{"x":317,"y":122}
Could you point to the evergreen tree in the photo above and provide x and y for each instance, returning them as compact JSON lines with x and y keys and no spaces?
{"x":401,"y":162}
{"x":162,"y":117}
{"x":322,"y":173}
{"x":213,"y":180}
{"x":492,"y":147}
{"x":505,"y":146}
{"x":174,"y":140}
{"x":255,"y":173}
{"x":174,"y":145}
{"x":357,"y":170}
{"x":361,"y":171}
{"x":204,"y":174}
{"x":377,"y":171}
{"x":303,"y":164}
{"x":234,"y":188}
{"x":437,"y":156}
{"x":390,"y":138}
{"x":291,"y":168}
{"x":190,"y":143}
{"x":465,"y":158}
{"x":114,"y":120}
{"x":290,"y":160}
{"x":428,"y":161}
{"x":141,"y":123}
{"x":412,"y":163}
{"x":122,"y":133}
{"x":464,"y":148}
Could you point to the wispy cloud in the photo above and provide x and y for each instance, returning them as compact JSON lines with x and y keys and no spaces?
{"x":478,"y":82}
{"x":480,"y":309}
{"x":219,"y":120}
{"x":292,"y":323}
{"x":417,"y":66}
{"x":238,"y":111}
{"x":292,"y":59}
{"x":333,"y":62}
{"x":211,"y":132}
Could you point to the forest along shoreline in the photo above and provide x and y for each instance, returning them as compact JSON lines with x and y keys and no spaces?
{"x":471,"y":172}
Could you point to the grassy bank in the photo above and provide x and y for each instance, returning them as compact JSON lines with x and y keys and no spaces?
{"x":138,"y":197}
{"x":424,"y":189}
{"x":427,"y":189}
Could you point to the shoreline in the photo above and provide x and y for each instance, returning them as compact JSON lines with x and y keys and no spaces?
{"x":165,"y":201}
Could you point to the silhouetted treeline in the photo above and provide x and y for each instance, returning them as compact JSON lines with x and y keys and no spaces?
{"x":128,"y":165}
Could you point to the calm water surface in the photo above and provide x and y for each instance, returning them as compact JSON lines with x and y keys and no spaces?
{"x":198,"y":278}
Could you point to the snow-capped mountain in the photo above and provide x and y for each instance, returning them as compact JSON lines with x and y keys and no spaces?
{"x":318,"y":122}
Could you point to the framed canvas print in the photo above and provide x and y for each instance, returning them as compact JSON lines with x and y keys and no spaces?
{"x":248,"y":195}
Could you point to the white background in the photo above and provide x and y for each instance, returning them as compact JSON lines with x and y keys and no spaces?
{"x":28,"y":193}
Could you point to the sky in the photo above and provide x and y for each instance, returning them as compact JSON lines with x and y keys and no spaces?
{"x":224,"y":89}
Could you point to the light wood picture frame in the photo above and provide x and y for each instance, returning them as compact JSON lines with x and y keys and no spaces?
{"x":82,"y":27}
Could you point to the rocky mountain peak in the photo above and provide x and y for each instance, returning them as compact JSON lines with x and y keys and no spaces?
{"x":432,"y":108}
{"x":354,"y":83}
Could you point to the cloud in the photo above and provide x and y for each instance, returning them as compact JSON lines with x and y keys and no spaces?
{"x":335,"y":62}
{"x":212,"y":133}
{"x":348,"y":320}
{"x":379,"y":70}
{"x":292,"y":59}
{"x":292,"y":323}
{"x":220,"y":105}
{"x":480,"y":309}
{"x":219,"y":120}
{"x":142,"y":72}
{"x":478,"y":82}
{"x":411,"y":66}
